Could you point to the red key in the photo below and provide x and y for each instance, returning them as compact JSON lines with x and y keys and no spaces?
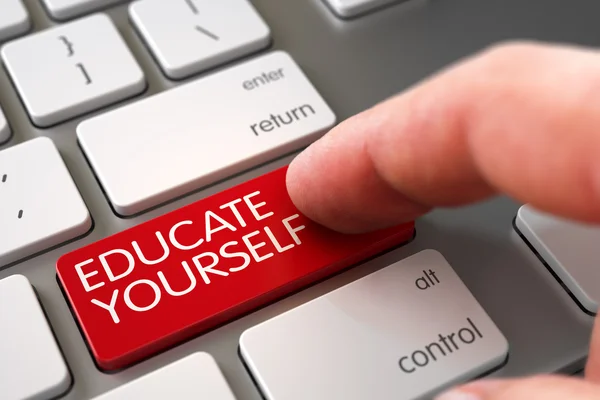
{"x":157,"y":284}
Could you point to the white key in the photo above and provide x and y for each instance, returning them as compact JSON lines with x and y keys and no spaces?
{"x":189,"y":36}
{"x":404,"y":332}
{"x":64,"y":9}
{"x":353,"y":8}
{"x":31,"y":363}
{"x":166,"y":145}
{"x":86,"y":65}
{"x":14,"y":19}
{"x":569,"y":248}
{"x":194,"y":377}
{"x":41,"y":206}
{"x":4,"y":128}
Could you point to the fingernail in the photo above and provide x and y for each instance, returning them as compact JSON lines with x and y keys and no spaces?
{"x":477,"y":390}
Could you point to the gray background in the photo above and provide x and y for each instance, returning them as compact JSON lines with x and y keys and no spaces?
{"x":354,"y":64}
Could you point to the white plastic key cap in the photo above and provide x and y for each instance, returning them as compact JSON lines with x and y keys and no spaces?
{"x":189,"y":36}
{"x":64,"y":9}
{"x":353,"y":8}
{"x":155,"y":149}
{"x":86,"y":65}
{"x":404,"y":332}
{"x":31,"y":363}
{"x":4,"y":128}
{"x":194,"y":377}
{"x":14,"y":19}
{"x":570,"y":248}
{"x":40,"y":205}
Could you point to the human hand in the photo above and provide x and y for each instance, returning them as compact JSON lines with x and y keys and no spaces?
{"x":520,"y":119}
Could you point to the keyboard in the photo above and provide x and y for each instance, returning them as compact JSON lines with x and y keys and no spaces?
{"x":148,"y":248}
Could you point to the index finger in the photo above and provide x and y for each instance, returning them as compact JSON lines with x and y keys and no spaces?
{"x":520,"y":119}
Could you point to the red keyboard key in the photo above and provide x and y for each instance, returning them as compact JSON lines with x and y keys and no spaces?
{"x":157,"y":284}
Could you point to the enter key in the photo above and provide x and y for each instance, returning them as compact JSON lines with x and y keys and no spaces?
{"x":407,"y":331}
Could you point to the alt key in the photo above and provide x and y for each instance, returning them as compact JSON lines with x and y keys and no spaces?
{"x":407,"y":331}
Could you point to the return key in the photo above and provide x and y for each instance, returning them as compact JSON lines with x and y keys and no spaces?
{"x":167,"y":145}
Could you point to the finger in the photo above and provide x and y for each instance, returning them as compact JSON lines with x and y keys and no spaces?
{"x":521,"y":119}
{"x":592,"y":368}
{"x":535,"y":388}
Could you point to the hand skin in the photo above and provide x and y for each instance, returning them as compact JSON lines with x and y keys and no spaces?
{"x":521,"y":119}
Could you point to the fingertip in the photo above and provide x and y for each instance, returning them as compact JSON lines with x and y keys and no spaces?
{"x":333,"y":182}
{"x":304,"y":184}
{"x":307,"y":186}
{"x":296,"y":182}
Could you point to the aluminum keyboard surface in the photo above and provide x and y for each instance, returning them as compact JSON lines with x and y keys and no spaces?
{"x":353,"y":64}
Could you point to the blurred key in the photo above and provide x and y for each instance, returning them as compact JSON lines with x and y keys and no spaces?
{"x":195,"y":377}
{"x":189,"y":36}
{"x":4,"y":128}
{"x":31,"y":363}
{"x":570,"y":248}
{"x":354,"y":8}
{"x":64,"y":9}
{"x":14,"y":19}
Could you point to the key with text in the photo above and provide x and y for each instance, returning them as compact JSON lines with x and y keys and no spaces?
{"x":169,"y":279}
{"x":404,"y":332}
{"x":169,"y":144}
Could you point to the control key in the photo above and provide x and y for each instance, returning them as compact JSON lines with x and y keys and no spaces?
{"x":404,"y":332}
